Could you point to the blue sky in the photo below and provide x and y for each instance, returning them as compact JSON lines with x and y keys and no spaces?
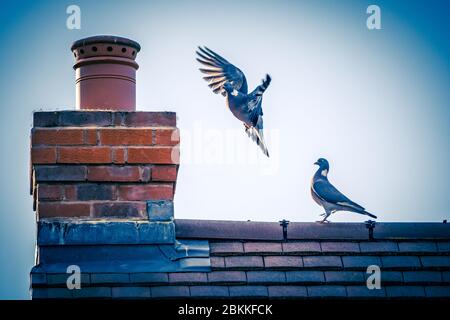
{"x":374,"y":103}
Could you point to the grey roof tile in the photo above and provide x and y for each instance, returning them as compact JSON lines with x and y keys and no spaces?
{"x":405,"y":291}
{"x":283,"y":262}
{"x":417,"y":247}
{"x":322,"y":262}
{"x":244,"y":262}
{"x":422,"y":277}
{"x":400,"y":262}
{"x":226,"y":248}
{"x":378,"y":247}
{"x":131,"y":292}
{"x":360,"y":262}
{"x":149,"y":277}
{"x":92,"y":292}
{"x":169,"y":291}
{"x":248,"y":291}
{"x":301,"y":247}
{"x":217,"y":262}
{"x":438,"y":291}
{"x":263,"y":247}
{"x":227,"y":277}
{"x":364,"y":292}
{"x":266,"y":277}
{"x":344,"y":277}
{"x":287,"y":291}
{"x":187,"y":277}
{"x":209,"y":291}
{"x":340,"y":247}
{"x":61,"y":278}
{"x":327,"y":291}
{"x":110,"y":278}
{"x":444,"y":246}
{"x":391,"y":277}
{"x":305,"y":277}
{"x":436,"y":262}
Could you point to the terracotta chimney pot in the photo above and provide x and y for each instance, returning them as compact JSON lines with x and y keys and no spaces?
{"x":105,"y":70}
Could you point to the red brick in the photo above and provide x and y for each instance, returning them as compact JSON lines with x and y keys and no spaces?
{"x":164,"y":173}
{"x":119,"y":155}
{"x":156,"y":155}
{"x":57,"y":136}
{"x":120,"y":209}
{"x":90,"y":136}
{"x":43,"y":155}
{"x":60,"y":173}
{"x":84,"y":155}
{"x":50,"y":192}
{"x":145,"y":173}
{"x":167,"y":137}
{"x":70,"y":192}
{"x":63,"y":209}
{"x":95,"y":191}
{"x":145,"y":192}
{"x":114,"y":173}
{"x":129,"y":136}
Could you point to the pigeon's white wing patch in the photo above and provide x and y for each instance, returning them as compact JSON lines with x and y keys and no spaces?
{"x":253,"y":103}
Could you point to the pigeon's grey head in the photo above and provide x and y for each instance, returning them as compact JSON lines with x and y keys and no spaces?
{"x":323,"y":164}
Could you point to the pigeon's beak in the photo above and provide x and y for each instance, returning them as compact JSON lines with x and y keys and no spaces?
{"x":317,"y":163}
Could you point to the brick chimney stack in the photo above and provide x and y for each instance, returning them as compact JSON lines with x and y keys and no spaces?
{"x":103,"y":175}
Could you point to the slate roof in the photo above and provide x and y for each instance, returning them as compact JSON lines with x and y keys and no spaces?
{"x":308,"y":260}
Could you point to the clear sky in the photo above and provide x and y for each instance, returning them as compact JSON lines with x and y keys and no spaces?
{"x":375,"y":103}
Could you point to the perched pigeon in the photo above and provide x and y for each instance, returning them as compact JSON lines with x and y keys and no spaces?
{"x":327,"y":196}
{"x":225,"y":78}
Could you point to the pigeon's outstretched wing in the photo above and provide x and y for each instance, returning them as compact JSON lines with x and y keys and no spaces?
{"x":326,"y":191}
{"x":219,"y":71}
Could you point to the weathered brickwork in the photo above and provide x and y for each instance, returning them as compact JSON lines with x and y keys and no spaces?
{"x":102,"y":164}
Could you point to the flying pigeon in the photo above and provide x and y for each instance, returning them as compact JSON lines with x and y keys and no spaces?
{"x":327,"y":196}
{"x":223,"y":77}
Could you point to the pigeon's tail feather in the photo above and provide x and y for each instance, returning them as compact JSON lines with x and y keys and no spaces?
{"x":257,"y":136}
{"x":263,"y":86}
{"x":369,"y":214}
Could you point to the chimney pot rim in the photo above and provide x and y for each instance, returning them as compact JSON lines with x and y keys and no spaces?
{"x":105,"y":39}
